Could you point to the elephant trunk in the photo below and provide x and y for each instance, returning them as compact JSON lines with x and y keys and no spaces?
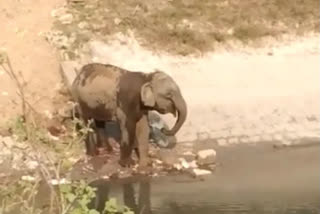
{"x":181,"y":108}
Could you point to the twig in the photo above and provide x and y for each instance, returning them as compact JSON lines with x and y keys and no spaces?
{"x":20,"y":87}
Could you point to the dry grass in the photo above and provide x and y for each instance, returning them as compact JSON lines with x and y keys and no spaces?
{"x":188,"y":26}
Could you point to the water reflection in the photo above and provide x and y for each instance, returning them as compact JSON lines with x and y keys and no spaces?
{"x":250,"y":182}
{"x":141,"y":205}
{"x":137,"y":196}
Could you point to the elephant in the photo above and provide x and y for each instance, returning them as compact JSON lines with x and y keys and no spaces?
{"x":106,"y":92}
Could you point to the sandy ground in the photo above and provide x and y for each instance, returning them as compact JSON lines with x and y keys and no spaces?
{"x":246,"y":92}
{"x":22,"y":23}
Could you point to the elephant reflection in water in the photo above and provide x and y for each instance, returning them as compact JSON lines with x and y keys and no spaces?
{"x":140,"y":206}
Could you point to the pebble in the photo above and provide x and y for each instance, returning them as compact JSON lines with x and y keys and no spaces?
{"x":278,"y":137}
{"x":200,"y":172}
{"x":32,"y":164}
{"x":233,"y":140}
{"x":58,"y":182}
{"x":222,"y":142}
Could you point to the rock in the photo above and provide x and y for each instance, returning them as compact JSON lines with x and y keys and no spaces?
{"x":200,"y":172}
{"x":255,"y":139}
{"x":188,"y":156}
{"x":233,"y":140}
{"x":206,"y":157}
{"x":7,"y":141}
{"x":58,"y":12}
{"x":28,"y":178}
{"x":177,"y":166}
{"x":222,"y":142}
{"x":32,"y":164}
{"x":83,"y":25}
{"x":193,"y":164}
{"x":201,"y":136}
{"x":66,"y":18}
{"x":244,"y":140}
{"x":278,"y":137}
{"x":266,"y":138}
{"x":58,"y":182}
{"x":117,"y":21}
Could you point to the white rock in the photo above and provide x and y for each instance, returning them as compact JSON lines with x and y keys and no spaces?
{"x":187,"y":153}
{"x":200,"y":172}
{"x":58,"y":12}
{"x":55,"y":138}
{"x":205,"y":157}
{"x":117,"y":21}
{"x":66,"y":19}
{"x":28,"y":178}
{"x":106,"y":177}
{"x":157,"y":161}
{"x":233,"y":140}
{"x":48,"y":114}
{"x":177,"y":166}
{"x":193,"y":164}
{"x":58,"y":182}
{"x":184,"y":163}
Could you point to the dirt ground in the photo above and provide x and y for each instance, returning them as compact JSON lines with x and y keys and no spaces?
{"x":22,"y":24}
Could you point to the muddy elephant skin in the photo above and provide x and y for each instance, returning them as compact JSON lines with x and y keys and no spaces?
{"x":108,"y":93}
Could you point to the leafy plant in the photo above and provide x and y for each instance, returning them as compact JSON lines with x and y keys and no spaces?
{"x":112,"y":207}
{"x":75,"y":198}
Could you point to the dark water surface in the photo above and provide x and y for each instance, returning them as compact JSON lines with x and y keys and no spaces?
{"x":249,"y":180}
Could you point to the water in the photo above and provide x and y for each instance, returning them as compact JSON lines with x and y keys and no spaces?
{"x":250,"y":180}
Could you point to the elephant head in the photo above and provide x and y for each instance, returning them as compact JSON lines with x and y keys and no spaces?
{"x":162,"y":94}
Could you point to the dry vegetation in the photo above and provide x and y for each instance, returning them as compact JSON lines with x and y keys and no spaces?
{"x":189,"y":26}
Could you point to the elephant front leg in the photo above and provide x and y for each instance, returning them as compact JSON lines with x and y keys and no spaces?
{"x":142,"y":141}
{"x":127,"y":128}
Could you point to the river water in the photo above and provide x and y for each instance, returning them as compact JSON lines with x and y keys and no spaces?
{"x":249,"y":180}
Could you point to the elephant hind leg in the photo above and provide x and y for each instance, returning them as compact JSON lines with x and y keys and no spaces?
{"x":102,"y":139}
{"x":90,"y":140}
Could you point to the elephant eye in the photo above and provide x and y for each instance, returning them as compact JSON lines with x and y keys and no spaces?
{"x":169,"y":95}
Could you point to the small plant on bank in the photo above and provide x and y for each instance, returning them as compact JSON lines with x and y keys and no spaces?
{"x":112,"y":207}
{"x":71,"y":198}
{"x":19,"y":196}
{"x":75,"y":198}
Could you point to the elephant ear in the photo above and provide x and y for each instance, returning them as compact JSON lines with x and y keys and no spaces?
{"x":147,"y":95}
